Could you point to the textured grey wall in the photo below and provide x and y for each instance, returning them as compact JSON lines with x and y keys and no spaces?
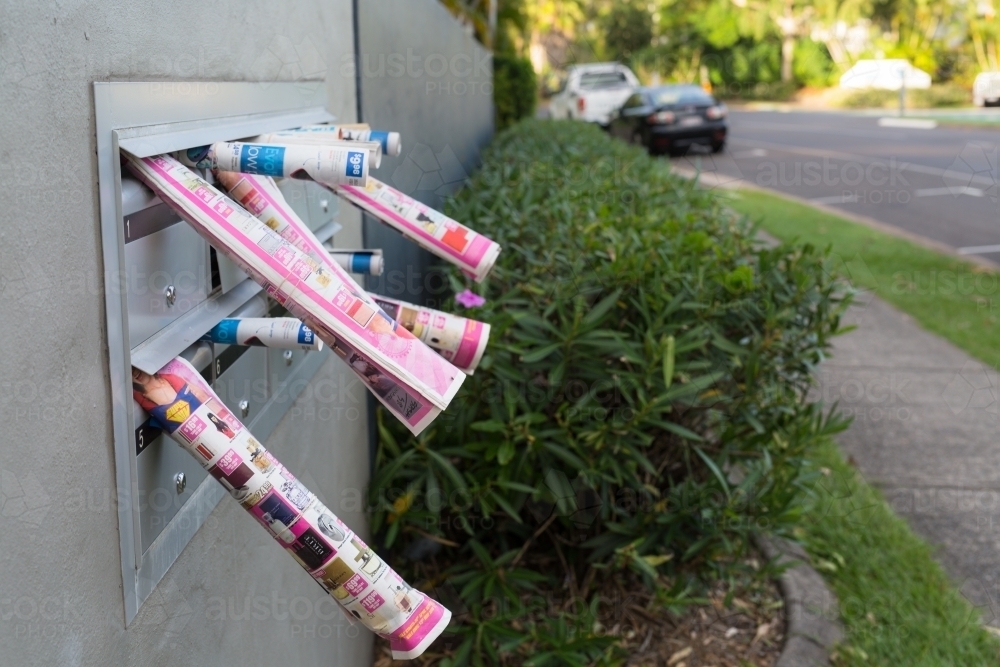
{"x":233,"y":597}
{"x":425,"y":76}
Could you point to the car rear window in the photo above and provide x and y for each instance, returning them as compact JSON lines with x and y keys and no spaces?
{"x":680,"y":95}
{"x":598,"y":80}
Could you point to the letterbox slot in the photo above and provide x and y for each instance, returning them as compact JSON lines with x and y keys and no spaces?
{"x":225,"y":359}
{"x":136,"y":196}
{"x":149,"y":221}
{"x":213,"y":266}
{"x":166,"y":138}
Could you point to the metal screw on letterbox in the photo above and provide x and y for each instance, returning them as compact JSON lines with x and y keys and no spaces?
{"x":287,"y":354}
{"x":180,"y":479}
{"x":171,"y":295}
{"x":244,"y":407}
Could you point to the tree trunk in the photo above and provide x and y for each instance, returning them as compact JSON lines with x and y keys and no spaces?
{"x":789,"y":26}
{"x":787,"y":53}
{"x":492,"y":22}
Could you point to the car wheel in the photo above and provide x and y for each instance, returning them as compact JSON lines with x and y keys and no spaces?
{"x":718,"y":147}
{"x":636,"y":138}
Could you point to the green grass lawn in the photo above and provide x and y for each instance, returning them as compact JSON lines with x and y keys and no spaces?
{"x":898,"y":606}
{"x":970,"y":122}
{"x":947,"y":296}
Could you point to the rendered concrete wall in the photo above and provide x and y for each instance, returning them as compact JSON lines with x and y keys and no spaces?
{"x":425,"y":76}
{"x":233,"y":597}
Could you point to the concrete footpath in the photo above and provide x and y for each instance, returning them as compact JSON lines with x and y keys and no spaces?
{"x":926,"y":432}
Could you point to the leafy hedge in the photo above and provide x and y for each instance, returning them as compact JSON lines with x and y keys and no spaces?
{"x":640,"y":406}
{"x":515,"y":89}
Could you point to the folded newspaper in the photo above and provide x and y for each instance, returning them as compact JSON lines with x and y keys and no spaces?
{"x":359,"y":261}
{"x":390,"y":141}
{"x":370,"y":591}
{"x":328,"y":165}
{"x":285,"y":333}
{"x":374,"y":148}
{"x":406,"y":376}
{"x":434,"y":231}
{"x":260,"y":195}
{"x":458,"y":339}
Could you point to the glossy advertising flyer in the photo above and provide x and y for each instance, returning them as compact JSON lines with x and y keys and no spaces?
{"x":361,"y":132}
{"x":374,"y":148}
{"x":328,"y":165}
{"x":261,"y":196}
{"x":460,"y":340}
{"x":406,"y":376}
{"x":186,"y":407}
{"x":365,"y":262}
{"x":285,"y":333}
{"x":434,"y":231}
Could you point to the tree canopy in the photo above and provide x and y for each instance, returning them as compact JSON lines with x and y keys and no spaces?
{"x":743,"y":42}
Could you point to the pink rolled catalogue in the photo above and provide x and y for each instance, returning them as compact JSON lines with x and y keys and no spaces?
{"x":406,"y":376}
{"x":430,"y":229}
{"x":458,"y":339}
{"x":184,"y":405}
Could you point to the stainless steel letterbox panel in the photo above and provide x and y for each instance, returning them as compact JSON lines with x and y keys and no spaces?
{"x":321,"y":203}
{"x":166,"y":271}
{"x":286,"y":383}
{"x":149,"y":118}
{"x":242,"y":380}
{"x":283,"y":367}
{"x":280,"y":364}
{"x":161,"y":493}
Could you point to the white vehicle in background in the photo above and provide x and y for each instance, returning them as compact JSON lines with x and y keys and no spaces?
{"x":986,"y":89}
{"x":593,"y":92}
{"x":886,"y":74}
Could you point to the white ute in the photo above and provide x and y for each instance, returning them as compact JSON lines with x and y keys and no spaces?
{"x":593,"y":92}
{"x":986,"y":89}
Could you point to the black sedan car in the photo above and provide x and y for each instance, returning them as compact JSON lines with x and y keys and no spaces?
{"x":670,"y":119}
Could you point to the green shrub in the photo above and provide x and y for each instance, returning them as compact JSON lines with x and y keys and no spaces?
{"x":515,"y":89}
{"x":870,"y":98}
{"x":812,"y":64}
{"x":640,"y":406}
{"x":628,"y":29}
{"x":937,"y":96}
{"x":779,"y":91}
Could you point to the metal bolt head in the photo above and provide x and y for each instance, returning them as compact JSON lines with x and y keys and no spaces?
{"x":180,"y":480}
{"x":244,"y":407}
{"x":171,"y":294}
{"x":288,"y":357}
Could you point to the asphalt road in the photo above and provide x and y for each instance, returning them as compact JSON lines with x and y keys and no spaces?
{"x":940,"y":183}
